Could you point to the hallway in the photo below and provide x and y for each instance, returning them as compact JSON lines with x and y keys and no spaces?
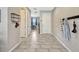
{"x":40,"y":43}
{"x":17,"y":26}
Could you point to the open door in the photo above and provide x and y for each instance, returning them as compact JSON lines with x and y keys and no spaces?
{"x":35,"y":24}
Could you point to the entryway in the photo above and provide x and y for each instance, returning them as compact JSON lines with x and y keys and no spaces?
{"x":35,"y":24}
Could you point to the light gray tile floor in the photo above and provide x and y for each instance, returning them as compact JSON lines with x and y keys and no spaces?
{"x":40,"y":43}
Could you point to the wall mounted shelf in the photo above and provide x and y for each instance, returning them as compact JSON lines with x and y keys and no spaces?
{"x":15,"y":17}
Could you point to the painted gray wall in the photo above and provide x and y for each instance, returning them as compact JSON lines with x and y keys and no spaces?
{"x":57,"y":15}
{"x":13,"y":33}
{"x":3,"y":29}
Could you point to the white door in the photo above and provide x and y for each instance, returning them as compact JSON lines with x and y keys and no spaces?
{"x":28,"y":22}
{"x":45,"y":22}
{"x":23,"y":23}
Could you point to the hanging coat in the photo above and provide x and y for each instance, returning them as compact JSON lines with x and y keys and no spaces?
{"x":66,"y":29}
{"x":74,"y":27}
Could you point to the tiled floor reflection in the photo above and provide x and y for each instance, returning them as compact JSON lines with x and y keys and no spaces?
{"x":40,"y":43}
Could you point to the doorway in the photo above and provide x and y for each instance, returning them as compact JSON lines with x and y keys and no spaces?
{"x":35,"y":24}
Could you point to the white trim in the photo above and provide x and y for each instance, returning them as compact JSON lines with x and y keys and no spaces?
{"x":69,"y":50}
{"x":15,"y":46}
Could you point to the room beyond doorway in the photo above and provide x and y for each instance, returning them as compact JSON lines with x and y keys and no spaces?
{"x":35,"y":24}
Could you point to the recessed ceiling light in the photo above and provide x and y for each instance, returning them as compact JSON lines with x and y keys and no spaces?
{"x":35,"y":8}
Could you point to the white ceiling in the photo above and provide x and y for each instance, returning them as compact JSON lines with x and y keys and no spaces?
{"x":42,"y":8}
{"x":35,"y":11}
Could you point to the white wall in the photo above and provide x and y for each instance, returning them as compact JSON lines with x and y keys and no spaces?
{"x":13,"y":33}
{"x":9,"y":35}
{"x":58,"y":14}
{"x":45,"y":21}
{"x":3,"y":29}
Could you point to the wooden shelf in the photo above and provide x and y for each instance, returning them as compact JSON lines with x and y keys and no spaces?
{"x":15,"y":17}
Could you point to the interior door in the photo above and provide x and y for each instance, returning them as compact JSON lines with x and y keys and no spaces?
{"x":45,"y":22}
{"x":23,"y":23}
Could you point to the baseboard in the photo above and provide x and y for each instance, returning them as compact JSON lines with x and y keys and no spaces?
{"x":15,"y":46}
{"x":19,"y":43}
{"x":59,"y":41}
{"x":62,"y":43}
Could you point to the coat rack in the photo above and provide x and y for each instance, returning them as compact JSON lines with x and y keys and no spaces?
{"x":68,"y":18}
{"x":74,"y":25}
{"x":72,"y":17}
{"x":15,"y":18}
